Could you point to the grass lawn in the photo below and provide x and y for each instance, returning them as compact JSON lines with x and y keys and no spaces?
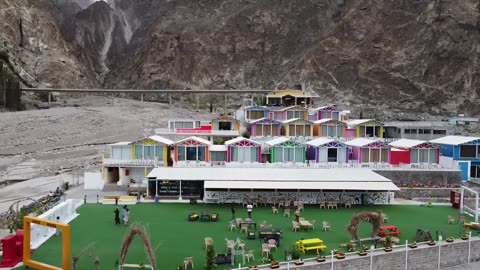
{"x":176,"y":238}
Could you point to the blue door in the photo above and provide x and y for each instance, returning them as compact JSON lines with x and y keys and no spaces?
{"x":463,"y":166}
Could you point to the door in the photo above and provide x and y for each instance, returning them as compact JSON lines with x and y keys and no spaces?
{"x":464,"y":166}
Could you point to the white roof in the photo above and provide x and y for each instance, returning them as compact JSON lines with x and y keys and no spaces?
{"x":277,"y":140}
{"x":374,"y":186}
{"x":322,"y":107}
{"x":239,"y":139}
{"x":119,"y":143}
{"x":293,"y":120}
{"x":359,"y":142}
{"x":280,"y":178}
{"x":454,"y":140}
{"x":217,"y":148}
{"x":195,"y":138}
{"x":261,"y":119}
{"x":355,"y":122}
{"x":397,"y":150}
{"x":161,"y":139}
{"x":406,"y":143}
{"x":320,"y":141}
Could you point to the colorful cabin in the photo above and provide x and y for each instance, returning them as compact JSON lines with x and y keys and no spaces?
{"x":461,"y":152}
{"x":225,"y":123}
{"x":368,"y":150}
{"x":191,"y":149}
{"x":324,"y":112}
{"x":132,"y":161}
{"x":323,"y":150}
{"x":241,"y":149}
{"x":288,"y":98}
{"x":364,"y":128}
{"x":265,"y":127}
{"x":286,"y":150}
{"x":293,"y":112}
{"x":408,"y":151}
{"x":253,"y":113}
{"x":297,"y":128}
{"x":329,"y":128}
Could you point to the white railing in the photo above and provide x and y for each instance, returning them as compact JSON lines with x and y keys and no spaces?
{"x":132,"y":162}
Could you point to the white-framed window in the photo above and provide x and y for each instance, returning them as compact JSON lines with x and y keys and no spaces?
{"x":244,"y":154}
{"x":191,"y":152}
{"x":420,"y":155}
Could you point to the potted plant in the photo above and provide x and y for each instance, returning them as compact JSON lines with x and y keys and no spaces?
{"x":465,"y":237}
{"x":320,"y":258}
{"x":363,"y":251}
{"x":298,"y":261}
{"x":413,"y":245}
{"x":210,"y":258}
{"x":431,"y":242}
{"x":388,"y":244}
{"x":252,"y":267}
{"x":340,"y":255}
{"x":350,"y":246}
{"x":273,"y":264}
{"x":449,"y":239}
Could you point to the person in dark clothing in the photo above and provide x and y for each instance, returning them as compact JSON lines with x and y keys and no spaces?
{"x":117,"y":216}
{"x":233,"y":212}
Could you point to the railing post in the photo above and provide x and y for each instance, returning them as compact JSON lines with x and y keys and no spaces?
{"x":169,"y":98}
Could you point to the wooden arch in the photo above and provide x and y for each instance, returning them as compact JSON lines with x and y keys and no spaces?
{"x":140,"y":231}
{"x":373,"y":217}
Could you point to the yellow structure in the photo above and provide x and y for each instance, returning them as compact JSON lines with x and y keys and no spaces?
{"x":311,"y":244}
{"x":289,"y":97}
{"x":65,"y":228}
{"x":151,"y":141}
{"x":297,"y":127}
{"x":366,"y":128}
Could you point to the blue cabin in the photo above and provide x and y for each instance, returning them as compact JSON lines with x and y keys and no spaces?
{"x":462,"y":152}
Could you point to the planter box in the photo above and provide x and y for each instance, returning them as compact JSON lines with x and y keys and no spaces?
{"x":274,"y":266}
{"x":298,"y":262}
{"x":320,"y":259}
{"x":431,"y":243}
{"x":340,"y":256}
{"x":449,"y":240}
{"x":412,"y":246}
{"x":388,"y":249}
{"x":464,"y":237}
{"x":362,"y":253}
{"x":252,"y":268}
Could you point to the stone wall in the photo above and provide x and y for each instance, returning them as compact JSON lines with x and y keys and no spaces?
{"x":423,"y":178}
{"x":409,"y":193}
{"x":424,"y":257}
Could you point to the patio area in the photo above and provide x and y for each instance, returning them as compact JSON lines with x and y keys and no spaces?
{"x":174,"y":237}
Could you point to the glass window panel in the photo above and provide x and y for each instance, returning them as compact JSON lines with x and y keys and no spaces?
{"x":126,"y":153}
{"x":253,"y":154}
{"x":159,"y":152}
{"x":149,"y":152}
{"x":335,"y":115}
{"x":467,"y":150}
{"x":342,"y":155}
{"x":339,"y":132}
{"x":384,"y":155}
{"x":365,"y":155}
{"x":268,"y":130}
{"x":299,"y":154}
{"x":290,"y":115}
{"x":138,"y":151}
{"x":322,"y":154}
{"x":181,"y":153}
{"x":291,"y":130}
{"x":116,"y":153}
{"x":433,"y":156}
{"x":299,"y":130}
{"x":278,"y":154}
{"x":234,"y":153}
{"x":275,"y":130}
{"x":307,"y":130}
{"x":374,"y":155}
{"x":201,"y":153}
{"x":325,"y":131}
{"x":191,"y":152}
{"x":414,"y":156}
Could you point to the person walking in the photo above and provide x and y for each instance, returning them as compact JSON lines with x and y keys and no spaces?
{"x":297,"y":215}
{"x":249,"y":209}
{"x":117,"y":216}
{"x":233,"y":212}
{"x":127,"y":213}
{"x":124,"y":212}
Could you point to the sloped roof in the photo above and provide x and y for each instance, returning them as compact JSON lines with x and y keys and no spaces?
{"x":356,"y":122}
{"x":156,"y":138}
{"x":454,"y":140}
{"x":280,"y":140}
{"x":264,"y":119}
{"x":194,"y":138}
{"x":360,"y":142}
{"x":119,"y":143}
{"x":295,"y":119}
{"x":406,"y":143}
{"x":239,"y":139}
{"x":320,"y":141}
{"x":321,"y":121}
{"x":217,"y":148}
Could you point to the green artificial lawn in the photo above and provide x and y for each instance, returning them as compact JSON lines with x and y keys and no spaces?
{"x":176,"y":238}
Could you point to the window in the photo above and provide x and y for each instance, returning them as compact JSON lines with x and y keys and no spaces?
{"x":439,"y":132}
{"x":295,"y":114}
{"x":407,"y":131}
{"x":159,"y":152}
{"x":149,"y":152}
{"x":138,"y":151}
{"x":244,"y":154}
{"x":475,"y":171}
{"x":423,"y":155}
{"x":181,"y":153}
{"x":413,"y":131}
{"x":332,"y":154}
{"x":218,"y":156}
{"x":468,"y":151}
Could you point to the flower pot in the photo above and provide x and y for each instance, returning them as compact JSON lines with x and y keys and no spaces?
{"x":412,"y":246}
{"x":252,"y":267}
{"x":388,"y":249}
{"x":464,"y":237}
{"x":299,"y":262}
{"x":449,"y":240}
{"x":431,"y":243}
{"x":320,"y":259}
{"x":340,"y":255}
{"x":362,"y":253}
{"x":274,"y":265}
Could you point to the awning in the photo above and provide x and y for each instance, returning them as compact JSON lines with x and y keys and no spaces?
{"x":373,"y":186}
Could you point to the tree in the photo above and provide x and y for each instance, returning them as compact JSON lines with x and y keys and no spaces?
{"x":210,"y":265}
{"x":212,"y":101}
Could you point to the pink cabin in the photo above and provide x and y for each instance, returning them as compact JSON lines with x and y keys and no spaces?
{"x":287,"y":113}
{"x":324,"y":112}
{"x":242,"y":149}
{"x":191,"y":149}
{"x":406,"y":151}
{"x":265,"y":128}
{"x":366,"y":150}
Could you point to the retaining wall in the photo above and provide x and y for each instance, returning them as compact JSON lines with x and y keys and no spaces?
{"x":405,"y":178}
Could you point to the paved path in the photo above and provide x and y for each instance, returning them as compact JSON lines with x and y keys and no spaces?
{"x":470,"y":266}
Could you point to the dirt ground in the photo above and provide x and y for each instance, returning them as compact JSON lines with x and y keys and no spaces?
{"x":73,"y":134}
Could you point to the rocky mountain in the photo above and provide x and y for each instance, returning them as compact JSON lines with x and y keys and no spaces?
{"x":386,"y":58}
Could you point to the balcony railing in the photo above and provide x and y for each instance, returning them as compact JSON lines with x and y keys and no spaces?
{"x":131,"y":163}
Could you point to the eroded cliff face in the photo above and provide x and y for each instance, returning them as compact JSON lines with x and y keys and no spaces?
{"x":375,"y":56}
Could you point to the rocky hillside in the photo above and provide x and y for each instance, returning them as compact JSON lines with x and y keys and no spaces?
{"x":405,"y":57}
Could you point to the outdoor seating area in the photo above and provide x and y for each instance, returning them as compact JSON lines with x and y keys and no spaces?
{"x":272,"y":233}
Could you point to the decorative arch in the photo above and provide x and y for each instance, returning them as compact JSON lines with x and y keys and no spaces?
{"x":373,"y":217}
{"x":10,"y":217}
{"x":140,"y":231}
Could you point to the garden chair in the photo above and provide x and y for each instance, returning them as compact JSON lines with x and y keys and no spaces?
{"x":384,"y":218}
{"x":274,"y":210}
{"x":286,"y":212}
{"x":244,"y":228}
{"x":238,"y":220}
{"x":241,"y":245}
{"x":281,"y":204}
{"x":322,"y":205}
{"x":313,"y":224}
{"x":265,"y":249}
{"x":232,"y":225}
{"x":272,"y":244}
{"x":300,"y":207}
{"x":461,"y":219}
{"x":188,"y":263}
{"x":250,"y":254}
{"x":301,"y":218}
{"x":263,"y":224}
{"x":295,"y":226}
{"x":325,"y":226}
{"x":230,"y":245}
{"x":208,"y":241}
{"x":348,"y":204}
{"x":451,"y":220}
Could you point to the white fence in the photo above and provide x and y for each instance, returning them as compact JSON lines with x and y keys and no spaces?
{"x":66,"y":211}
